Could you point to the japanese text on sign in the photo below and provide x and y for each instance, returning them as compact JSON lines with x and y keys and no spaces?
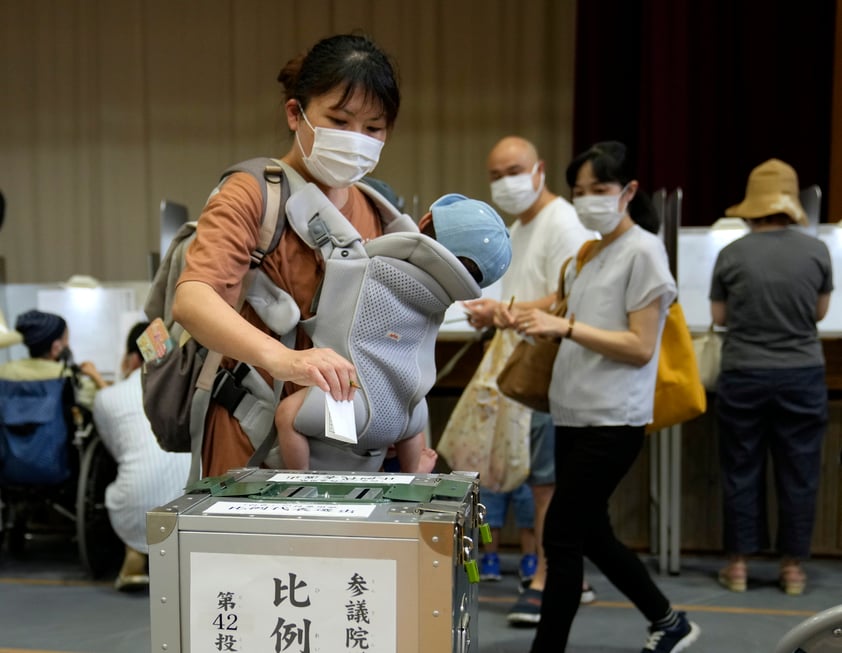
{"x":242,"y":602}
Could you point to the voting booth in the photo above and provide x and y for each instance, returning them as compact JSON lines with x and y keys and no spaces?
{"x":98,"y":316}
{"x":698,"y":248}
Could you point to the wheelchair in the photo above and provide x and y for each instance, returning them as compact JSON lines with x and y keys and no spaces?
{"x":821,"y":633}
{"x":73,"y":508}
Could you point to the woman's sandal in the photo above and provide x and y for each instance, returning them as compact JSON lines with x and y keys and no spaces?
{"x":734,"y":577}
{"x":793,"y":579}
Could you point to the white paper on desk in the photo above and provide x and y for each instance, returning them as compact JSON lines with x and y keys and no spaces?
{"x":340,"y":423}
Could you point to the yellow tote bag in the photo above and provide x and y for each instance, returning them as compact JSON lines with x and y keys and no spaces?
{"x":679,"y":393}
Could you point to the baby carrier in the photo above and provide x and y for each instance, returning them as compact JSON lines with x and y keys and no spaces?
{"x":380,"y":305}
{"x":401,"y":272}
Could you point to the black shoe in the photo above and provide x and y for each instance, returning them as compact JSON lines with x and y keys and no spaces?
{"x":672,"y":640}
{"x":527,"y":610}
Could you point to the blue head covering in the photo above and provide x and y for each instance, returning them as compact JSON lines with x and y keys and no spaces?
{"x":473,"y":229}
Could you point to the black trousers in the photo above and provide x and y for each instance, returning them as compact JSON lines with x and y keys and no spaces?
{"x":783,"y":413}
{"x":590,"y":463}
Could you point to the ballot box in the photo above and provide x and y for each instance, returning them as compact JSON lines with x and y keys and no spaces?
{"x":265,"y":560}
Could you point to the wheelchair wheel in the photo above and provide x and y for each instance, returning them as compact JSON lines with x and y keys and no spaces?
{"x":13,"y":533}
{"x":100,"y":550}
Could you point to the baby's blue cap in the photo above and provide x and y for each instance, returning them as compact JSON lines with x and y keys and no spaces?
{"x":472,"y":229}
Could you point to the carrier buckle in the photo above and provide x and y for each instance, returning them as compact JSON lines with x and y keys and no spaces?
{"x":228,"y":391}
{"x":319,"y":231}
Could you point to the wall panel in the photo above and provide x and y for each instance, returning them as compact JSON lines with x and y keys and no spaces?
{"x":128,"y":210}
{"x":18,"y":27}
{"x":111,"y":105}
{"x":189,"y":95}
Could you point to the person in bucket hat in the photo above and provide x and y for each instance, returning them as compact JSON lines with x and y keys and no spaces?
{"x":772,"y":189}
{"x":770,"y":288}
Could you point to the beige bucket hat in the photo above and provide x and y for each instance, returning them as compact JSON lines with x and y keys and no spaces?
{"x":772,"y":188}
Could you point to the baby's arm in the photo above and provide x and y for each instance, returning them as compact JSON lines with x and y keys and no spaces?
{"x":414,"y":456}
{"x":294,"y":448}
{"x":426,"y":461}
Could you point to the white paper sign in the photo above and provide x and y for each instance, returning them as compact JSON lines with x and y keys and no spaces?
{"x":291,"y":508}
{"x":241,"y":602}
{"x":360,"y":479}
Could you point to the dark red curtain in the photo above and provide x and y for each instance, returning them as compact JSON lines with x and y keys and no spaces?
{"x":702,"y":91}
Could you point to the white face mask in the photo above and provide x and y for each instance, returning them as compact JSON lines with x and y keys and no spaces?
{"x":340,"y":157}
{"x":515,"y":193}
{"x":599,"y":212}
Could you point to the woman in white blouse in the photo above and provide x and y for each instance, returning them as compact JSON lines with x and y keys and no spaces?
{"x":601,"y":395}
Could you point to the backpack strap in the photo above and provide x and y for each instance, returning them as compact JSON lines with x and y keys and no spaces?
{"x":272,"y":224}
{"x":272,"y":176}
{"x":274,"y":186}
{"x":159,"y":300}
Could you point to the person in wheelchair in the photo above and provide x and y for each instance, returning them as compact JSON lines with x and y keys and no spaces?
{"x":45,"y":403}
{"x":47,"y":337}
{"x":147,"y":476}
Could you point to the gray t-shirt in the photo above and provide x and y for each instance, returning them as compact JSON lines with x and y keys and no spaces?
{"x":770,"y":282}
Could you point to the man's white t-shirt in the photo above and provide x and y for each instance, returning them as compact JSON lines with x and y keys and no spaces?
{"x":538,"y":250}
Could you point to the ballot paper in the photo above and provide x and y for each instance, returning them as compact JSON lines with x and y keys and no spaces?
{"x":340,"y":423}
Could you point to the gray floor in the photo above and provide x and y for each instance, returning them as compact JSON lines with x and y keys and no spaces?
{"x":49,"y":605}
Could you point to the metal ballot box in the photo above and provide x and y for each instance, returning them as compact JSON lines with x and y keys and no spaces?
{"x":313,"y":562}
